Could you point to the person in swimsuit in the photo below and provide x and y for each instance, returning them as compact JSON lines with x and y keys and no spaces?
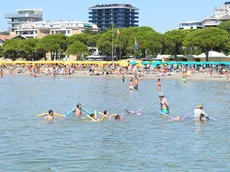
{"x":50,"y":115}
{"x":1,"y":71}
{"x":131,"y":84}
{"x":199,"y":114}
{"x":163,"y":103}
{"x":106,"y":114}
{"x":135,"y":83}
{"x":78,"y":110}
{"x":184,"y":79}
{"x":123,"y":77}
{"x":117,"y":118}
{"x":158,"y":84}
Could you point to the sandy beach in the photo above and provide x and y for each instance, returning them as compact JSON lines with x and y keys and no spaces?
{"x":172,"y":76}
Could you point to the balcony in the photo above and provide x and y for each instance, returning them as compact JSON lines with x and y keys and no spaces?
{"x":23,"y":16}
{"x":18,"y":22}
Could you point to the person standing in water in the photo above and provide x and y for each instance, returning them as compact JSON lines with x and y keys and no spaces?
{"x":1,"y":71}
{"x":78,"y":110}
{"x":123,"y":77}
{"x":131,"y":84}
{"x":199,"y":114}
{"x":158,"y":84}
{"x":135,"y":82}
{"x":184,"y":79}
{"x":163,"y":103}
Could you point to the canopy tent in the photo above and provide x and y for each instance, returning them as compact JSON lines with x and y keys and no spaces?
{"x":212,"y":54}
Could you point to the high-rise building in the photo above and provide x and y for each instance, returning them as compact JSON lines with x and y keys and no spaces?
{"x":119,"y":15}
{"x":23,"y":16}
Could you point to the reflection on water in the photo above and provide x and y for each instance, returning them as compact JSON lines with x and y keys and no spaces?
{"x":140,"y":143}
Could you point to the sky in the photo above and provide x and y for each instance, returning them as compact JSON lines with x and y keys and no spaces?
{"x":161,"y":15}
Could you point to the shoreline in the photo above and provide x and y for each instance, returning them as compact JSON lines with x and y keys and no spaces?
{"x":175,"y":76}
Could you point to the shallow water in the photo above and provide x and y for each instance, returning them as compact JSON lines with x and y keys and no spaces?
{"x":140,"y":143}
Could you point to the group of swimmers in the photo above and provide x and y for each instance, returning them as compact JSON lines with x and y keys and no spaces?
{"x":79,"y":111}
{"x":198,"y":113}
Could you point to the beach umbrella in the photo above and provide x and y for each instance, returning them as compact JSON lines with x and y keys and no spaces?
{"x":133,"y":63}
{"x":145,"y":62}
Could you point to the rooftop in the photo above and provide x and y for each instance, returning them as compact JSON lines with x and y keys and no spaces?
{"x":31,"y":9}
{"x":113,"y":6}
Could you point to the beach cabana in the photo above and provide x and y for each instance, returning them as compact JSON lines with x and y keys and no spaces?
{"x":213,"y":56}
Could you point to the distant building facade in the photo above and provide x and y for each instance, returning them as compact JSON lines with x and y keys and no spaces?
{"x":119,"y":15}
{"x":43,"y":28}
{"x":23,"y":16}
{"x":220,"y":14}
{"x":191,"y":25}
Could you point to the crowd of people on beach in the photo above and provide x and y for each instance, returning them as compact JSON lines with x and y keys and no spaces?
{"x":37,"y":70}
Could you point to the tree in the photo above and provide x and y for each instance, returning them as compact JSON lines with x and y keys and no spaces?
{"x":174,"y":40}
{"x":55,"y":44}
{"x":1,"y":51}
{"x":79,"y":37}
{"x":148,"y":40}
{"x":208,"y":39}
{"x":225,"y":26}
{"x":77,"y":48}
{"x":10,"y":49}
{"x":21,"y":49}
{"x":124,"y":43}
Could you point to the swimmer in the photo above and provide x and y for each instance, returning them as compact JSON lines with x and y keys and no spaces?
{"x":1,"y":71}
{"x":135,"y":83}
{"x":106,"y":114}
{"x":123,"y":77}
{"x":50,"y":115}
{"x":184,"y":79}
{"x":199,"y":114}
{"x":138,"y":112}
{"x":92,"y":117}
{"x":131,"y":84}
{"x":158,"y":84}
{"x":163,"y":103}
{"x":78,"y":110}
{"x":117,"y":118}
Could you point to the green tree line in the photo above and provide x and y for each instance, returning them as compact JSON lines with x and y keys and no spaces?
{"x":150,"y":43}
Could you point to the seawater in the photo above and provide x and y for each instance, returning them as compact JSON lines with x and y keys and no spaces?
{"x":140,"y":143}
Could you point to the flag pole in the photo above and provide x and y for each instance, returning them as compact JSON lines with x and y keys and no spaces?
{"x":112,"y":44}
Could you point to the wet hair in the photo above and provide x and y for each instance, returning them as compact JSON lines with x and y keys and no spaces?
{"x":51,"y":111}
{"x":200,"y":106}
{"x":158,"y":79}
{"x":92,"y":115}
{"x":78,"y":105}
{"x":105,"y":112}
{"x":117,"y":117}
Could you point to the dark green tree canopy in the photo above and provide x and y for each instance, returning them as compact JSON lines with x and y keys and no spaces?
{"x":225,"y":26}
{"x":208,"y":39}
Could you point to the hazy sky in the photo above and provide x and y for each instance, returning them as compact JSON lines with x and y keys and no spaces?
{"x":162,"y":15}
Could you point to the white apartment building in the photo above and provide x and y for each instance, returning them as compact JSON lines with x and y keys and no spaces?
{"x":43,"y":28}
{"x":191,"y":25}
{"x":220,"y":14}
